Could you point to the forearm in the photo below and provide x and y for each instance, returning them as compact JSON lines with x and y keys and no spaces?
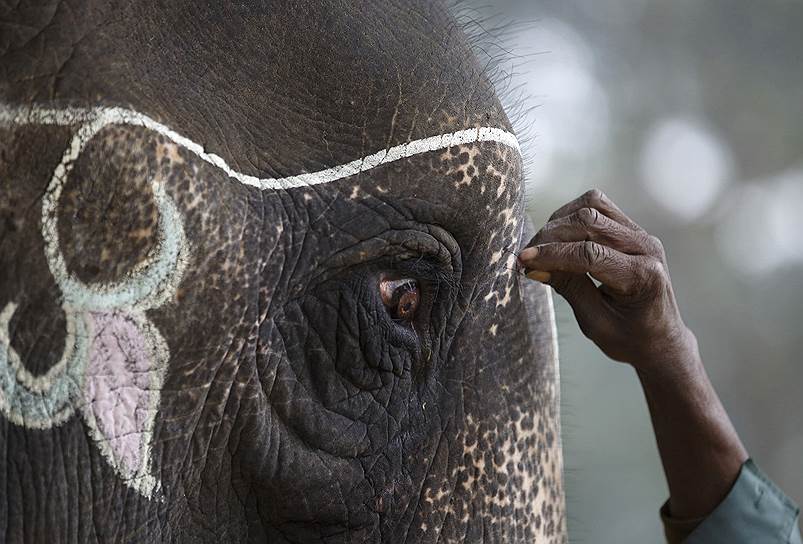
{"x":699,"y":448}
{"x":630,"y":312}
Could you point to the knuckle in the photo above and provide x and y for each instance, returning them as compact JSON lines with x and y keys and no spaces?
{"x":588,"y":217}
{"x":591,"y":252}
{"x":593,"y":196}
{"x":655,"y":272}
{"x":655,"y":245}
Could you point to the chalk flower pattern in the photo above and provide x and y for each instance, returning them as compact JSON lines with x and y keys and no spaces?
{"x":114,"y":359}
{"x":112,"y":367}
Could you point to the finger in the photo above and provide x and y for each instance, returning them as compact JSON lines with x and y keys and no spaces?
{"x":577,"y":289}
{"x":585,"y":300}
{"x":590,"y":224}
{"x":613,"y":268}
{"x":597,"y":200}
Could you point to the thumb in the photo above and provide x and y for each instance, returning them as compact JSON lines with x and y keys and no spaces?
{"x":583,"y":296}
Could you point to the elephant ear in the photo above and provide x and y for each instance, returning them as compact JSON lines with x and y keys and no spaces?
{"x":123,"y":383}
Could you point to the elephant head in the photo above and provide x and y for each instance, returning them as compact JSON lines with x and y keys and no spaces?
{"x":258,"y":281}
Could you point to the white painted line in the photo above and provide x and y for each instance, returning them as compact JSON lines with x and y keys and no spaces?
{"x":553,"y":322}
{"x":48,"y":400}
{"x":100,"y":117}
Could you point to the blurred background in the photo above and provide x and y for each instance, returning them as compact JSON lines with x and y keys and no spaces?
{"x":689,"y":115}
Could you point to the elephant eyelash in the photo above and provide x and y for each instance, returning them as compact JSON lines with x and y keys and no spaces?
{"x":428,"y":272}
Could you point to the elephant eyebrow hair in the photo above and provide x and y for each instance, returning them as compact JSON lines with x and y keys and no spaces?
{"x":94,"y":119}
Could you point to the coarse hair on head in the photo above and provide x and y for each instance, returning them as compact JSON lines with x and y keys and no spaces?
{"x":493,"y":38}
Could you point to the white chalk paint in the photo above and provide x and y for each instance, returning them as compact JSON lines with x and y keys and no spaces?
{"x":94,"y":119}
{"x":46,"y":401}
{"x":553,"y":322}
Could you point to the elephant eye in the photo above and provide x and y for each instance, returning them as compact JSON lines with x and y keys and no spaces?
{"x":400,"y":297}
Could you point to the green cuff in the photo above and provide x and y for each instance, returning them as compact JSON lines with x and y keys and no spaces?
{"x":754,"y":511}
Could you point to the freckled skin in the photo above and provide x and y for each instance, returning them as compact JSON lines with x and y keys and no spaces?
{"x":293,"y":409}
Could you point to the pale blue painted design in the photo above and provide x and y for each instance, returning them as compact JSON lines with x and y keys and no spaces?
{"x":48,"y":400}
{"x":44,"y":401}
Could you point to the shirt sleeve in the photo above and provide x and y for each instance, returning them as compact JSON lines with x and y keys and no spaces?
{"x":755,"y":510}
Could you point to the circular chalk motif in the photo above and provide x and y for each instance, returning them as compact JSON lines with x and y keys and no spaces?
{"x":42,"y":402}
{"x":152,"y":282}
{"x":110,"y":343}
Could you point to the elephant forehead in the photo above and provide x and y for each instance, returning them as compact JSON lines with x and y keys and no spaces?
{"x":468,"y":180}
{"x":286,"y":92}
{"x":279,"y":90}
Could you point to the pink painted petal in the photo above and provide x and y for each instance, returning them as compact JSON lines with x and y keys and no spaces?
{"x":118,"y":389}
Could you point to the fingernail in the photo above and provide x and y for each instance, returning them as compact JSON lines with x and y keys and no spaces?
{"x":537,"y":275}
{"x":528,"y":254}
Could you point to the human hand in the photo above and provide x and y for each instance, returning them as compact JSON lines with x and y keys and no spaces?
{"x":632,"y":315}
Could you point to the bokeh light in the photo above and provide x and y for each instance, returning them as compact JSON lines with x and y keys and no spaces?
{"x":684,"y":166}
{"x":761,"y":230}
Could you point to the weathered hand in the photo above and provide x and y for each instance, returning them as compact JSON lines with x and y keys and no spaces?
{"x":632,"y":315}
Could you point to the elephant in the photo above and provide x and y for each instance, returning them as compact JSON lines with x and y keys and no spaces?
{"x":258,"y":280}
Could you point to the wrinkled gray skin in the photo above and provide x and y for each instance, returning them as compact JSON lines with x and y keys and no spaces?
{"x":294,"y":409}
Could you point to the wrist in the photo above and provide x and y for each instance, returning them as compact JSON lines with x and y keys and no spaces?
{"x":700,"y":450}
{"x":677,"y":358}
